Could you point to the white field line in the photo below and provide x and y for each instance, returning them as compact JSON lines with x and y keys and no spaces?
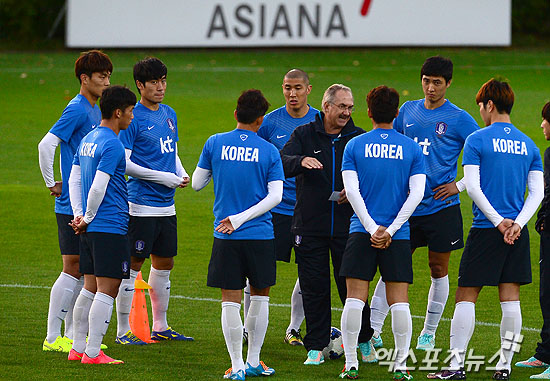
{"x":480,"y":323}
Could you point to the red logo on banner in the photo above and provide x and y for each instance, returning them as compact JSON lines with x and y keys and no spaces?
{"x":365,"y":7}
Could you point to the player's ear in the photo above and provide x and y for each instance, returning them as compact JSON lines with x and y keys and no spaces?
{"x":449,"y":83}
{"x":140,"y":86}
{"x":369,"y":113}
{"x":235,"y":115}
{"x":396,"y":114}
{"x":84,"y":78}
{"x":308,"y":89}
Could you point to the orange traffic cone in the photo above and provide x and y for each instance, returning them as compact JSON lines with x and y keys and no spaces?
{"x":139,"y":317}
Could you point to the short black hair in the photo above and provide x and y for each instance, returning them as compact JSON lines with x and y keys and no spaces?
{"x":546,"y":112}
{"x":92,"y":61}
{"x":438,"y":66}
{"x":383,"y":103}
{"x":149,"y":69}
{"x":250,"y":106}
{"x":115,"y":98}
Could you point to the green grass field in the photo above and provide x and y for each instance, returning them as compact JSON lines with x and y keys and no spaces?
{"x":203,"y":87}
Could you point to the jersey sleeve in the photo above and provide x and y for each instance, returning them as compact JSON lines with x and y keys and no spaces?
{"x":276,"y":168}
{"x":398,"y":122}
{"x":129,"y":135}
{"x":418,"y":165}
{"x":536,"y":164}
{"x":111,"y":155}
{"x":70,"y":119}
{"x":177,"y":138}
{"x":76,"y":159}
{"x":264,"y":130}
{"x":467,"y":124}
{"x":205,"y":160}
{"x":348,"y":161}
{"x":471,"y":155}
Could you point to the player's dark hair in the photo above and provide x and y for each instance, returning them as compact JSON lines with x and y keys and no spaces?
{"x":298,"y":74}
{"x":546,"y":112}
{"x":383,"y":103}
{"x":115,"y":98}
{"x":149,"y":69}
{"x":93,"y":61}
{"x":250,"y":106}
{"x":438,"y":66}
{"x":499,"y":92}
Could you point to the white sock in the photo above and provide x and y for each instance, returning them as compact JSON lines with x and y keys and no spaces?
{"x":100,"y":316}
{"x":159,"y":280}
{"x":297,"y":308}
{"x":246,"y":302}
{"x":256,"y":324}
{"x":351,"y":325}
{"x":378,"y":308}
{"x":462,"y":328}
{"x":124,"y":301}
{"x":437,"y":298}
{"x":69,"y":333}
{"x":61,"y":296}
{"x":401,"y":324}
{"x":80,"y":319}
{"x":510,"y":328}
{"x":232,"y":327}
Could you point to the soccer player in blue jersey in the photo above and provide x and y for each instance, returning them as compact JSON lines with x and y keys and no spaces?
{"x":155,"y":171}
{"x":440,"y":128}
{"x":93,"y":70}
{"x":99,"y":200}
{"x":276,"y":128}
{"x":499,"y":162}
{"x":384,"y":178}
{"x":248,"y":182}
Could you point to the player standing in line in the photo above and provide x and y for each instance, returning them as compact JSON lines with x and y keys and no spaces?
{"x":384,"y":178}
{"x":440,"y":128}
{"x":313,"y":155}
{"x":155,"y":171}
{"x":497,"y":249}
{"x":276,"y":128}
{"x":93,"y":70}
{"x":541,"y":359}
{"x":99,"y":199}
{"x":248,"y":182}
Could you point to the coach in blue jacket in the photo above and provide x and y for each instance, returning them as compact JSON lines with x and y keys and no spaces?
{"x":322,"y":215}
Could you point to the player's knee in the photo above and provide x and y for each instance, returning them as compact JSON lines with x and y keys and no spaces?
{"x":438,"y":270}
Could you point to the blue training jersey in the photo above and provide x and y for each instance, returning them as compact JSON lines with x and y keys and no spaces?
{"x":102,"y":150}
{"x":152,"y":137}
{"x":441,"y":134}
{"x":276,"y":128}
{"x":505,"y":156}
{"x":242,"y":165}
{"x":77,"y":119}
{"x":384,"y":161}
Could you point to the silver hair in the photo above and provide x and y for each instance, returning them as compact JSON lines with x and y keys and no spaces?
{"x":330,"y":93}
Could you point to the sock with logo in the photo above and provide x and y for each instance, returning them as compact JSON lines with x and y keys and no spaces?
{"x":81,"y":319}
{"x":69,"y":329}
{"x":510,"y":328}
{"x":379,"y":307}
{"x":100,"y":317}
{"x":61,"y":296}
{"x":351,"y":325}
{"x":256,"y":322}
{"x":232,"y":328}
{"x":246,"y":302}
{"x":401,"y":324}
{"x":297,"y":314}
{"x":462,"y":328}
{"x":437,"y":298}
{"x":159,"y":280}
{"x":124,"y":303}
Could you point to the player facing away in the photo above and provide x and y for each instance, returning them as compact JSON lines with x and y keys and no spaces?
{"x":155,"y":171}
{"x":499,"y":162}
{"x":99,"y":199}
{"x":93,"y":70}
{"x":276,"y":128}
{"x":384,"y":178}
{"x":248,"y":182}
{"x":440,"y":128}
{"x":541,"y":358}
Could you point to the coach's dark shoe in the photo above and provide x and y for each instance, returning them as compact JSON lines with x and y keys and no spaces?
{"x":503,"y":374}
{"x":448,"y":375}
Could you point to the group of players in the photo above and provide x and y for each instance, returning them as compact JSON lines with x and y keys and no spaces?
{"x":366,"y":200}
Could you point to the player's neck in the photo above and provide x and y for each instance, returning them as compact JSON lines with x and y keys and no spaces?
{"x":500,"y":118}
{"x":382,"y":126}
{"x":433,"y":105}
{"x":150,"y":105}
{"x":111,"y":124}
{"x":297,"y":113}
{"x":249,"y":127}
{"x":86,"y":94}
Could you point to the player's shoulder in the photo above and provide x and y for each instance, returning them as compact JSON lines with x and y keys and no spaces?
{"x":412,"y":104}
{"x":79,"y":104}
{"x":276,"y":113}
{"x":167,"y":109}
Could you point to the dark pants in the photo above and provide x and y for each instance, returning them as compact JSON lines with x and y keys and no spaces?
{"x":543,"y":348}
{"x":313,"y":258}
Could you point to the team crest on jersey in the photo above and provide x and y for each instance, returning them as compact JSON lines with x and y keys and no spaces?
{"x":440,"y":128}
{"x":243,"y":137}
{"x":140,"y":245}
{"x":125,"y":266}
{"x":298,"y":240}
{"x":384,"y":136}
{"x":507,"y":130}
{"x":171,"y":124}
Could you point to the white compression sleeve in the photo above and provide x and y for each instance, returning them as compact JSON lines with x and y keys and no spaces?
{"x":167,"y":179}
{"x":96,"y":194}
{"x":180,"y":171}
{"x":351,"y":185}
{"x":416,"y":193}
{"x":46,"y":154}
{"x":461,"y":185}
{"x":201,"y":178}
{"x":473,"y":186}
{"x":273,"y":198}
{"x":535,"y":184}
{"x":75,"y":191}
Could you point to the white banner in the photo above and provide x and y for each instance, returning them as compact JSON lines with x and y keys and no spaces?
{"x":240,"y":23}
